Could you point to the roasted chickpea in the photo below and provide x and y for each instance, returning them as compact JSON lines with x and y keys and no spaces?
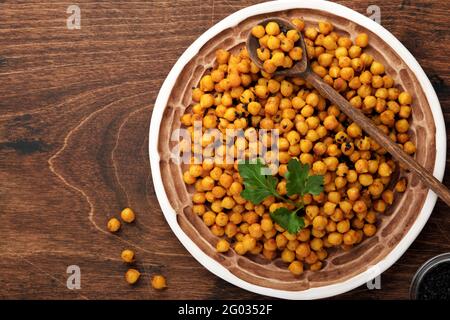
{"x":159,"y":282}
{"x":335,"y":238}
{"x":272,"y":28}
{"x":362,"y":40}
{"x":222,"y":245}
{"x":132,"y":276}
{"x":127,"y":256}
{"x":113,"y":225}
{"x":127,"y":215}
{"x":258,"y":31}
{"x":296,"y":267}
{"x":377,"y":68}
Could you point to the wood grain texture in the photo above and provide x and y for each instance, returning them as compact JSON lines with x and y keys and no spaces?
{"x":75,"y":110}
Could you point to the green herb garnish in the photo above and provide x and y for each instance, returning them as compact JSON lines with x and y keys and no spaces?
{"x":298,"y":182}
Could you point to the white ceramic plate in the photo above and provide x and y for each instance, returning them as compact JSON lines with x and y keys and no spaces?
{"x":169,"y":213}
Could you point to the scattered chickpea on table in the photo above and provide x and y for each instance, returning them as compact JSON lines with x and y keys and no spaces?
{"x":159,"y":282}
{"x":113,"y":225}
{"x":357,"y":171}
{"x":132,"y":276}
{"x":128,"y":256}
{"x":127,"y":215}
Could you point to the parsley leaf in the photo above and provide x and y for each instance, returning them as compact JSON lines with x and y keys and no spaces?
{"x":289,"y":220}
{"x":314,"y":185}
{"x":257,"y":186}
{"x":298,"y":181}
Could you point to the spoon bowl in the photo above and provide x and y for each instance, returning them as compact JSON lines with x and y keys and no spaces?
{"x":298,"y":68}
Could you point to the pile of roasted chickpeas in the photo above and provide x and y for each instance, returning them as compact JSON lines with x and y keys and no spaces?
{"x":357,"y":171}
{"x":277,"y":48}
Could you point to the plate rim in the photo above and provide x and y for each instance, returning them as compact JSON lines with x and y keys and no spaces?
{"x":170,"y":214}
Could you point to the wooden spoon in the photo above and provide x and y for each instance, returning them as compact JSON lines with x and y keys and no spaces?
{"x":302,"y":69}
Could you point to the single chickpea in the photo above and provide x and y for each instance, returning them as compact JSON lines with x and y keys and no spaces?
{"x":335,"y":238}
{"x":347,"y":73}
{"x":316,"y":244}
{"x":379,"y":205}
{"x":320,"y":222}
{"x":353,"y":193}
{"x":402,"y":125}
{"x":222,"y":245}
{"x":263,"y":54}
{"x":325,"y":27}
{"x":409,"y":147}
{"x":296,"y":267}
{"x":298,"y":23}
{"x":225,"y":180}
{"x":132,"y":276}
{"x":365,"y":179}
{"x":377,"y":68}
{"x":222,"y":56}
{"x":303,"y":250}
{"x":272,"y":28}
{"x":221,"y":219}
{"x":207,"y":183}
{"x":369,"y":230}
{"x":296,"y":53}
{"x":400,"y":186}
{"x":127,"y":215}
{"x":209,"y":218}
{"x":127,"y":256}
{"x":354,"y":51}
{"x":206,"y":83}
{"x":292,"y":35}
{"x":350,"y":237}
{"x":384,"y":170}
{"x":325,"y":59}
{"x":199,"y":209}
{"x":329,"y":43}
{"x":362,"y":166}
{"x":273,"y":43}
{"x":405,"y":112}
{"x":341,"y":52}
{"x":311,"y":33}
{"x":362,"y":40}
{"x":281,"y":241}
{"x":159,"y":282}
{"x":404,"y":98}
{"x":287,"y":44}
{"x":287,"y":255}
{"x":258,"y":31}
{"x":113,"y":225}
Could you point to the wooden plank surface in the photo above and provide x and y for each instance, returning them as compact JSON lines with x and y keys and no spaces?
{"x":75,"y":107}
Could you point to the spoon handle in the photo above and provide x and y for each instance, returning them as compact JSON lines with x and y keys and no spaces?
{"x":382,"y":139}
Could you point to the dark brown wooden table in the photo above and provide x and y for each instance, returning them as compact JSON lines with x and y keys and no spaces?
{"x":75,"y":111}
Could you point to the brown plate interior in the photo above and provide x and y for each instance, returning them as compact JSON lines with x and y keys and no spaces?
{"x":340,"y":265}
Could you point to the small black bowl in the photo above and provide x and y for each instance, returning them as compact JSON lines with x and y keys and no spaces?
{"x":432,"y":280}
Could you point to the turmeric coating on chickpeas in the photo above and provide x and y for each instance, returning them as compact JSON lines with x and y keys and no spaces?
{"x":277,"y":48}
{"x":357,"y":172}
